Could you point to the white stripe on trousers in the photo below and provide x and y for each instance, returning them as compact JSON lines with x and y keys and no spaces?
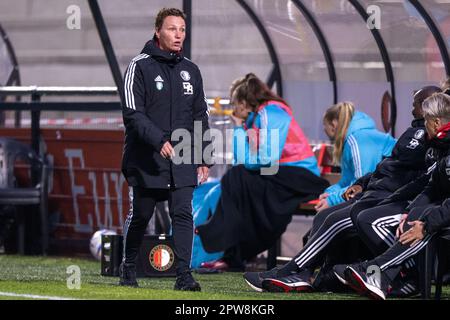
{"x":431,"y":168}
{"x":379,"y":226}
{"x":407,"y":254}
{"x":410,"y":287}
{"x":322,"y":241}
{"x":127,"y":222}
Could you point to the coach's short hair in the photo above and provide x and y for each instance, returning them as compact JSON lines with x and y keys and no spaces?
{"x":437,"y":106}
{"x":164,"y":13}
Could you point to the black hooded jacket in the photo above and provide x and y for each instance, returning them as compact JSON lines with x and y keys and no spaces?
{"x":163,"y":92}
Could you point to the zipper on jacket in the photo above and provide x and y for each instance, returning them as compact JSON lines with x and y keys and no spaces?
{"x":170,"y":129}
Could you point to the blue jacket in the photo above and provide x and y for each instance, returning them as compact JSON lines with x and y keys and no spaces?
{"x":364,"y":147}
{"x":272,"y":117}
{"x":204,"y":203}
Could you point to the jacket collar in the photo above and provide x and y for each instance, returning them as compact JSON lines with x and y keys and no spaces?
{"x":418,"y":123}
{"x":171,"y":58}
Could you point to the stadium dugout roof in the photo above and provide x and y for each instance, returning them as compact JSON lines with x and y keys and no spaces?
{"x":317,"y":52}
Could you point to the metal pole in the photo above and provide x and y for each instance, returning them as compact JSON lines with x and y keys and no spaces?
{"x":436,"y":32}
{"x":323,"y":44}
{"x":187,"y":9}
{"x":35,"y":125}
{"x":107,"y":46}
{"x":272,"y":52}
{"x":15,"y":75}
{"x":386,"y":60}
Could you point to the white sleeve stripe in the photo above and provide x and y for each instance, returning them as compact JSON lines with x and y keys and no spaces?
{"x":264,"y":122}
{"x":208,"y":107}
{"x":131,"y":87}
{"x":130,"y":74}
{"x":127,"y":83}
{"x":355,"y":155}
{"x":129,"y":80}
{"x":358,"y":158}
{"x":263,"y":126}
{"x":127,"y":95}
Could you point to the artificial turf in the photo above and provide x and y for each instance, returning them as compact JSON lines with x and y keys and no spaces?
{"x":26,"y":277}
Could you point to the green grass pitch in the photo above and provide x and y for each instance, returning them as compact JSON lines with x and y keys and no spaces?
{"x":46,"y":277}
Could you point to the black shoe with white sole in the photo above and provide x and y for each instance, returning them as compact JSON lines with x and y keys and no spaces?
{"x":294,"y":282}
{"x":255,"y":279}
{"x":404,"y":289}
{"x":326,"y":281}
{"x":374,"y":285}
{"x":339,"y":272}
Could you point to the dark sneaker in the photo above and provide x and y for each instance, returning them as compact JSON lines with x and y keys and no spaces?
{"x":127,"y":273}
{"x":255,"y":279}
{"x":185,"y":282}
{"x":294,"y":282}
{"x":373,"y":286}
{"x":339,"y":272}
{"x":403,"y":289}
{"x":326,"y":281}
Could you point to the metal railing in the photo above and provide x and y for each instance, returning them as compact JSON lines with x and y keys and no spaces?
{"x":36,"y":105}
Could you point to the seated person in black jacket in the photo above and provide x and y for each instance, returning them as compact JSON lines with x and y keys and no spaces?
{"x":426,"y":215}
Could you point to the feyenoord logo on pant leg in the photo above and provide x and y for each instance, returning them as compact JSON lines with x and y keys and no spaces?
{"x":161,"y":257}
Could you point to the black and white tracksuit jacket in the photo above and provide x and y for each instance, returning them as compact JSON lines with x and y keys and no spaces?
{"x":437,"y":190}
{"x":411,"y":190}
{"x":163,"y":92}
{"x":432,"y":207}
{"x":377,"y":225}
{"x":406,"y":162}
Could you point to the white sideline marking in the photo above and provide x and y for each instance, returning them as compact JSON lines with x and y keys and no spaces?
{"x":33,"y":296}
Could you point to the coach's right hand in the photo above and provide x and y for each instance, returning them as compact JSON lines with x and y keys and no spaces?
{"x":167,"y":151}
